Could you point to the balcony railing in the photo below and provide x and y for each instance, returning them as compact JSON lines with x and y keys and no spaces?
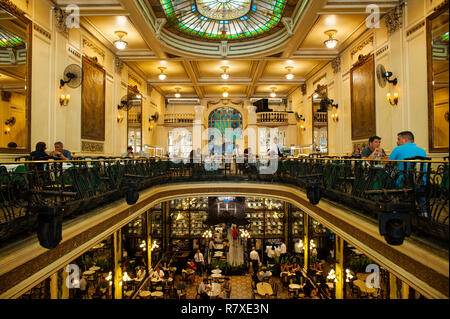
{"x":320,"y":117}
{"x":179,"y":118}
{"x":275,"y":118}
{"x":42,"y":194}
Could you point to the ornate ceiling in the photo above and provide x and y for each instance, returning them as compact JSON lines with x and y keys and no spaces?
{"x":223,"y":19}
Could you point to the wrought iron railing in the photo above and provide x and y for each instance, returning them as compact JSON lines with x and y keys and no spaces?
{"x":33,"y":193}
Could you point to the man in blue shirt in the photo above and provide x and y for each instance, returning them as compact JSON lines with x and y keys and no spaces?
{"x":406,"y":147}
{"x":60,"y":153}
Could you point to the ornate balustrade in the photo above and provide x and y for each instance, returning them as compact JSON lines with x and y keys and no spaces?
{"x":272,"y":118}
{"x":320,"y":117}
{"x":60,"y":190}
{"x":179,"y":118}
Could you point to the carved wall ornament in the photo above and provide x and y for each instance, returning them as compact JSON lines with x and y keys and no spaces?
{"x":442,"y":5}
{"x":61,"y":17}
{"x":118,"y":64}
{"x":42,"y":31}
{"x":93,"y":47}
{"x":361,"y":60}
{"x":336,"y":64}
{"x":74,"y":52}
{"x":415,"y":28}
{"x":303,"y":88}
{"x":393,"y":19}
{"x":381,"y":50}
{"x":361,"y":46}
{"x":91,"y":147}
{"x":12,"y":8}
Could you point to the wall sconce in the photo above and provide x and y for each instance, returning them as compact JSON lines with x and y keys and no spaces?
{"x":301,"y":118}
{"x":119,"y":118}
{"x":64,"y":99}
{"x":392,"y":100}
{"x":8,"y":124}
{"x":335,"y":117}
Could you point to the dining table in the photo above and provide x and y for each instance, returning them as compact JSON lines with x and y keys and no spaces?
{"x":216,"y":271}
{"x":215,"y":291}
{"x":94,"y":268}
{"x":264,"y":288}
{"x":145,"y":293}
{"x":157,"y":294}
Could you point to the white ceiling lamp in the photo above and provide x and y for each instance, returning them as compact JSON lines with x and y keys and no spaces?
{"x":273,"y":94}
{"x":120,"y":44}
{"x":289,"y":75}
{"x":162,"y":76}
{"x":177,"y":95}
{"x":225,"y":92}
{"x":331,"y":43}
{"x":225,"y":75}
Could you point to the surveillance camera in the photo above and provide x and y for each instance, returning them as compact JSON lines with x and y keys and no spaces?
{"x":314,"y":192}
{"x":49,"y":229}
{"x":132,"y":195}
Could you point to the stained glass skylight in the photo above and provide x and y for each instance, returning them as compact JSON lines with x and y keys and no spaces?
{"x":223,"y":19}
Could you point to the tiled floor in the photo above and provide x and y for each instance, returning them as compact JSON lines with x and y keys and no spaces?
{"x":240,"y":288}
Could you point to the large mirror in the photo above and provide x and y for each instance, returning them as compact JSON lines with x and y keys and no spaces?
{"x":438,"y":55}
{"x":134,"y":119}
{"x":320,"y":120}
{"x":15,"y":80}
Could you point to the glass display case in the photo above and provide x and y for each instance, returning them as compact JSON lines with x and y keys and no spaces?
{"x":196,"y":223}
{"x":297,"y":222}
{"x":317,"y":228}
{"x":274,"y":224}
{"x":156,"y":221}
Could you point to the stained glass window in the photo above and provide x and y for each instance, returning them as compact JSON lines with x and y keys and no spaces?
{"x":220,"y":120}
{"x":223,"y":19}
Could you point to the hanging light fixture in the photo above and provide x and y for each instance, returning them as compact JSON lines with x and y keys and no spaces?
{"x":331,"y":42}
{"x":225,"y":75}
{"x":120,"y":44}
{"x":162,"y":76}
{"x":177,"y":95}
{"x":179,"y":216}
{"x":273,"y":94}
{"x":289,"y":75}
{"x":225,"y":92}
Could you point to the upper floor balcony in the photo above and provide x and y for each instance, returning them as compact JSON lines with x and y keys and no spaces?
{"x":179,"y":119}
{"x":320,"y":118}
{"x":272,"y":118}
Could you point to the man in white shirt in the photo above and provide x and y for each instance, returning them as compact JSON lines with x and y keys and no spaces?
{"x":157,"y":273}
{"x":283,"y":249}
{"x":254,"y":258}
{"x":204,"y":288}
{"x":270,"y":254}
{"x":199,"y":261}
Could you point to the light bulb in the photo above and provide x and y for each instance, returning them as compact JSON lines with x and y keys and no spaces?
{"x":177,"y":95}
{"x":273,"y":94}
{"x":289,"y":76}
{"x":225,"y":76}
{"x":162,"y":76}
{"x":225,"y":94}
{"x":331,"y":44}
{"x":120,"y":44}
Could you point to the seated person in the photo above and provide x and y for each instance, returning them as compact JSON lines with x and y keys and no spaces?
{"x":129,"y":153}
{"x":141,"y":273}
{"x":39,"y":154}
{"x":60,"y":153}
{"x":264,"y":274}
{"x":158,"y":273}
{"x":181,"y":289}
{"x":203,"y":289}
{"x":374,"y":150}
{"x":356,"y":153}
{"x":226,"y":286}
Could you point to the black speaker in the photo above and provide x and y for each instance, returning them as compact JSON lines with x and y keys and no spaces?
{"x":262,"y":105}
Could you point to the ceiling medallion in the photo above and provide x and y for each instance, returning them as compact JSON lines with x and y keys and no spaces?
{"x":223,"y":19}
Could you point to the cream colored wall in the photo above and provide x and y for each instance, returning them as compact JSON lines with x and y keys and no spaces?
{"x":51,"y":122}
{"x":406,"y":56}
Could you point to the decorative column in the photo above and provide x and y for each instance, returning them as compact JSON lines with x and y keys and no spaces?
{"x":392,"y":287}
{"x":197,"y":142}
{"x":252,"y":129}
{"x":54,"y":286}
{"x":117,"y":264}
{"x":286,"y":236}
{"x":306,"y":221}
{"x":166,"y":225}
{"x":404,"y":290}
{"x":65,"y":290}
{"x":148,"y":220}
{"x":340,"y":275}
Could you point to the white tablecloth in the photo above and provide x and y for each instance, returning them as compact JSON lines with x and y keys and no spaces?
{"x":215,"y":290}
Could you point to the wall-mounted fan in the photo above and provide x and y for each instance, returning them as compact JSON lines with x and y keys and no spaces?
{"x":11,"y":121}
{"x":383,"y":76}
{"x":128,"y":101}
{"x":154,"y":117}
{"x":72,"y":76}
